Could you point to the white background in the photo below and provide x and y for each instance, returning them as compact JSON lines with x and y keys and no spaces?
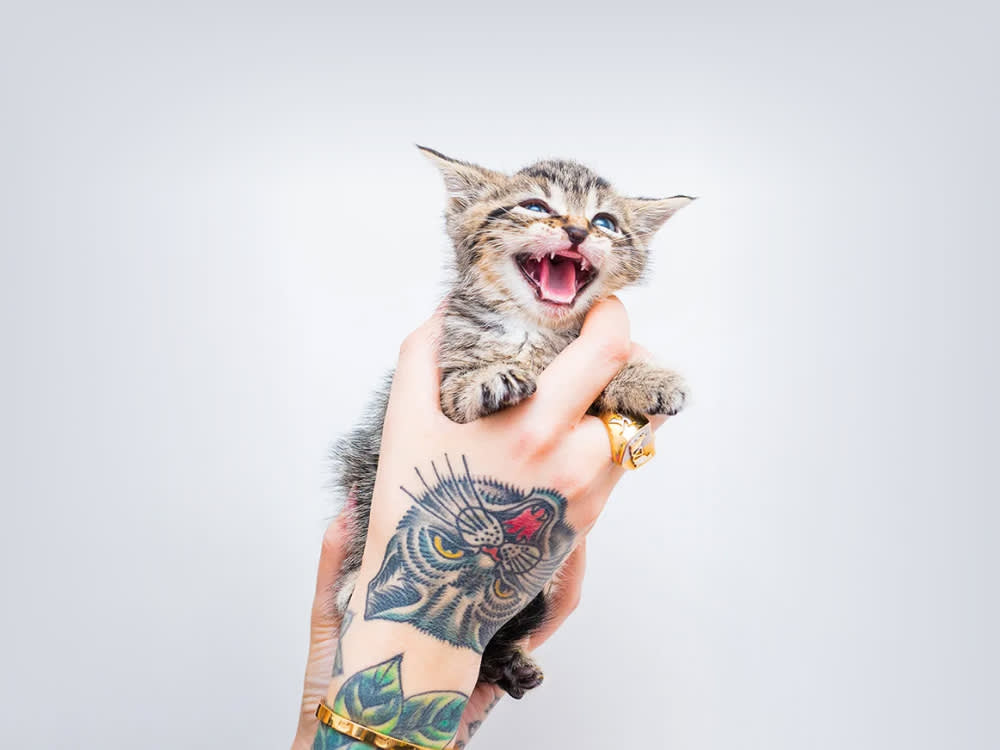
{"x":215,"y":231}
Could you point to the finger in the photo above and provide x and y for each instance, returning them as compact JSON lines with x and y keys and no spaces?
{"x":569,"y":385}
{"x":592,"y":505}
{"x":482,"y":700}
{"x":324,"y":627}
{"x":565,"y":596}
{"x":590,"y":446}
{"x":640,"y":353}
{"x":331,"y":558}
{"x":417,"y":380}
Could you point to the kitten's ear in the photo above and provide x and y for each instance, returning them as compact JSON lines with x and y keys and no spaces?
{"x":465,"y":182}
{"x":650,"y":213}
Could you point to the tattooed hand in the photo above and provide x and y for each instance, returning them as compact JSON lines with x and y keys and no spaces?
{"x":327,"y":624}
{"x":468,"y":555}
{"x":468,"y":523}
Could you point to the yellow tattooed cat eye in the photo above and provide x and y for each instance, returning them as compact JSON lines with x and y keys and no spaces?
{"x":451,"y":554}
{"x":504,"y":592}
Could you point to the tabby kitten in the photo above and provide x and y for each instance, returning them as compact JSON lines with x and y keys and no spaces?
{"x":533,"y":251}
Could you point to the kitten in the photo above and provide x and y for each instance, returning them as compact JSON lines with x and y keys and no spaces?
{"x":533,"y":252}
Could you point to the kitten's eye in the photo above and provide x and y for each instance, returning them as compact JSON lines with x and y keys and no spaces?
{"x":605,"y":222}
{"x":445,"y":549}
{"x":537,"y":206}
{"x":504,"y":592}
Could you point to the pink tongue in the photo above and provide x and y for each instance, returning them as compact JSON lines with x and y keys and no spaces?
{"x":557,"y":280}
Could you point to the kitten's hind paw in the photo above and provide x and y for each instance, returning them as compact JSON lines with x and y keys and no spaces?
{"x":513,"y":671}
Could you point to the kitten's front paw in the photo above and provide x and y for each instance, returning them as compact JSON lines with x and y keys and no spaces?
{"x":504,"y":387}
{"x":644,"y":389}
{"x":667,"y":394}
{"x":481,"y":392}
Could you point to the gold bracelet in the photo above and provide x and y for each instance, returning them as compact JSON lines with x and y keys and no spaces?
{"x":345,"y":726}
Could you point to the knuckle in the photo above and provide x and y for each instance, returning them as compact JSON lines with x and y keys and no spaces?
{"x":534,"y":439}
{"x":615,"y":351}
{"x":570,"y":483}
{"x":408,"y":345}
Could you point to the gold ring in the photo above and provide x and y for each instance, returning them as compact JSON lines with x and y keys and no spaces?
{"x":631,"y":439}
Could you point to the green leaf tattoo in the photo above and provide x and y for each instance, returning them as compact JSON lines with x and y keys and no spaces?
{"x":328,"y":738}
{"x":374,"y":698}
{"x":430,"y":719}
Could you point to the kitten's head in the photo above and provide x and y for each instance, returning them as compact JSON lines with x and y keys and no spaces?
{"x":548,"y":240}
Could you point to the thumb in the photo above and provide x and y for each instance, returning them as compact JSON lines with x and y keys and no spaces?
{"x":416,"y":382}
{"x":324,"y":627}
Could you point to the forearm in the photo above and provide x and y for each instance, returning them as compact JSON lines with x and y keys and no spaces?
{"x":467,"y":524}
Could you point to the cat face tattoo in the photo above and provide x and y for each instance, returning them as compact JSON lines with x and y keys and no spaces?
{"x":468,"y":556}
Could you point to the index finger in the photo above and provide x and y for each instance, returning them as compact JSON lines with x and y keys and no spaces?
{"x":575,"y":378}
{"x":416,"y":380}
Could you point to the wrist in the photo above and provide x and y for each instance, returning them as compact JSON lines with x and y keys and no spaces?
{"x":426,"y":664}
{"x":397,"y":682}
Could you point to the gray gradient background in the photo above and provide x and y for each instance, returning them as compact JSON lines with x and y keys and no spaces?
{"x":215,"y":231}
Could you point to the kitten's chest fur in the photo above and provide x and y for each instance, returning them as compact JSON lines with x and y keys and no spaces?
{"x":487,"y":336}
{"x":490,"y":359}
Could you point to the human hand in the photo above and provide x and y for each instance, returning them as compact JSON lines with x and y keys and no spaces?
{"x":325,"y":623}
{"x":468,"y":523}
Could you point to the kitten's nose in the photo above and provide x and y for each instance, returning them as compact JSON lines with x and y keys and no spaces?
{"x":576,"y":234}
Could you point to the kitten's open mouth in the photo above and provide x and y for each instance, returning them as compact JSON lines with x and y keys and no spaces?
{"x":557,"y":277}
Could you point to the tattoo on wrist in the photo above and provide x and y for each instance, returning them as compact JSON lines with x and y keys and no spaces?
{"x":374,"y":698}
{"x":468,"y":556}
{"x":338,"y":657}
{"x":472,"y":725}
